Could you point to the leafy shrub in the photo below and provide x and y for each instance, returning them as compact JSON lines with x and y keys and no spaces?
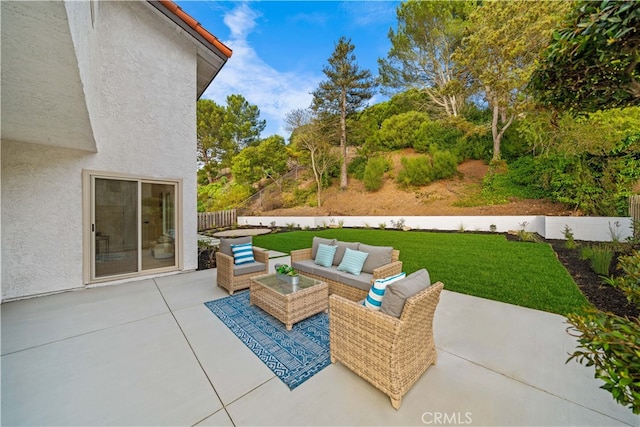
{"x":444,"y":164}
{"x":356,"y":167}
{"x":437,"y":132}
{"x":374,"y":172}
{"x":415,"y":171}
{"x":611,"y":343}
{"x":422,"y":170}
{"x":399,"y":131}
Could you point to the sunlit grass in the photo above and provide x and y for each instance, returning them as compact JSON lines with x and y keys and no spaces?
{"x":483,"y":265}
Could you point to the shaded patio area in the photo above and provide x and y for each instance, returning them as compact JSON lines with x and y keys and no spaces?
{"x":150,"y":353}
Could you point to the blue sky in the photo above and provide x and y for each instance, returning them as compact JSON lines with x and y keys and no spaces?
{"x":280,"y":47}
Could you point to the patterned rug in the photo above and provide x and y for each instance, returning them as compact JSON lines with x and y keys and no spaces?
{"x":295,"y":355}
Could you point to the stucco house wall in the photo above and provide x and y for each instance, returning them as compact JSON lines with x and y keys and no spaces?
{"x":139,"y":81}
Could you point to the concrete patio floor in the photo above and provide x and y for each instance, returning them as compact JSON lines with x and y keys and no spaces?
{"x":150,"y":353}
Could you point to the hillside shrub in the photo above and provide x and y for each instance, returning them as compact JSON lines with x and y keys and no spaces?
{"x":422,"y":170}
{"x":439,"y":132}
{"x":374,"y":172}
{"x":415,"y":171}
{"x":444,"y":164}
{"x":356,"y":167}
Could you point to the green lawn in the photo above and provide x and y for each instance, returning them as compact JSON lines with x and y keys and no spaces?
{"x":484,"y":265}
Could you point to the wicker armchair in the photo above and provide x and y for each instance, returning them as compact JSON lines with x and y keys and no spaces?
{"x":388,"y":352}
{"x":235,"y":277}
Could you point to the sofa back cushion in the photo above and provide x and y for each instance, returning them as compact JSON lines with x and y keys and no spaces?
{"x":397,"y":293}
{"x":317,"y":241}
{"x":225,"y":243}
{"x":378,"y":256}
{"x":342,"y":246}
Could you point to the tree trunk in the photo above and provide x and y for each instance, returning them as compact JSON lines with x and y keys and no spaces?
{"x":343,"y":141}
{"x":317,"y":176}
{"x":498,"y":133}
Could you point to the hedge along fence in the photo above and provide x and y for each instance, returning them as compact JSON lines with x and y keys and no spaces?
{"x":594,"y":229}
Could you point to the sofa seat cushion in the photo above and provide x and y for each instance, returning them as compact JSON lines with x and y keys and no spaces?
{"x":252,"y":267}
{"x":304,"y":266}
{"x":363,"y":281}
{"x":378,"y":256}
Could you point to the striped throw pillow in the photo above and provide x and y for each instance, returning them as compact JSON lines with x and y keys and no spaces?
{"x":242,"y":253}
{"x":353,"y":261}
{"x":374,"y":298}
{"x":324,"y":255}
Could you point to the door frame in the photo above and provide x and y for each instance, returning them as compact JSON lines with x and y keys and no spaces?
{"x":88,"y":235}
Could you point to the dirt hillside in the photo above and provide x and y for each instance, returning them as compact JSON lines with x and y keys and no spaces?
{"x":438,"y":198}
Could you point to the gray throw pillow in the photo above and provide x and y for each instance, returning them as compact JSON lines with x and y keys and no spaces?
{"x":378,"y":256}
{"x":397,"y":293}
{"x":317,"y":241}
{"x":225,"y":243}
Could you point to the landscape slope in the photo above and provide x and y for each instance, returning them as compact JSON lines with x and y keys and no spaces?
{"x":438,"y":198}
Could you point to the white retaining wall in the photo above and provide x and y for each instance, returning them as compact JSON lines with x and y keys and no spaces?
{"x":594,"y":229}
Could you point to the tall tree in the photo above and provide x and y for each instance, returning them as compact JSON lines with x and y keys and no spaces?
{"x":593,"y":61}
{"x":499,"y":52}
{"x":346,"y":90}
{"x":421,"y":54}
{"x":267,"y":160}
{"x":223,"y":131}
{"x":210,"y":145}
{"x":242,"y":123}
{"x":306,"y":135}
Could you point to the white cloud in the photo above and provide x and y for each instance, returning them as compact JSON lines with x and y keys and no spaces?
{"x":275,"y":93}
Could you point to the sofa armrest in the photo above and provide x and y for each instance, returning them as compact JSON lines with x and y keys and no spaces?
{"x":300,"y":255}
{"x":388,"y":270}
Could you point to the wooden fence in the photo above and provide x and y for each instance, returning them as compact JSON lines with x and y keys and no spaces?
{"x":208,"y":220}
{"x":634,"y":213}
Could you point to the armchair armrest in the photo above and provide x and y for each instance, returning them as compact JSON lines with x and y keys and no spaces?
{"x":388,"y":270}
{"x":262,"y":256}
{"x":224,"y":262}
{"x":300,"y":254}
{"x":358,"y":333}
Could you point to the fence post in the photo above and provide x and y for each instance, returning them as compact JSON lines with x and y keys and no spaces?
{"x":634,"y":213}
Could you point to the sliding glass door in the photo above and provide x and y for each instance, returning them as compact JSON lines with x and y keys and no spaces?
{"x":133,"y":226}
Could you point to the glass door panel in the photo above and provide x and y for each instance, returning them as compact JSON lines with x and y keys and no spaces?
{"x":116,"y":227}
{"x":158,"y":225}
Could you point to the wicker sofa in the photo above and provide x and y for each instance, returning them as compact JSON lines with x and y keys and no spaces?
{"x":383,"y":261}
{"x":389,"y":352}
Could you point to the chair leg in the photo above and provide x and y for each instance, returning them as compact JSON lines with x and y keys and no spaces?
{"x":333,"y":359}
{"x":396,"y":402}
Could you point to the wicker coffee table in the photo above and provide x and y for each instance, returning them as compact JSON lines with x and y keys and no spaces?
{"x":286,"y":302}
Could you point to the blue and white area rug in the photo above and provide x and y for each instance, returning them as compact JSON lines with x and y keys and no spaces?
{"x":295,"y":355}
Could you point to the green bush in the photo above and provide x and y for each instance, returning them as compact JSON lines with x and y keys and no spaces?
{"x":374,"y":172}
{"x":415,"y":171}
{"x":444,"y":164}
{"x":611,"y":344}
{"x":438,"y":132}
{"x":356,"y":167}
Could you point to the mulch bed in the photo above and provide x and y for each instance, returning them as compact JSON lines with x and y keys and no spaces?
{"x":602,"y":296}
